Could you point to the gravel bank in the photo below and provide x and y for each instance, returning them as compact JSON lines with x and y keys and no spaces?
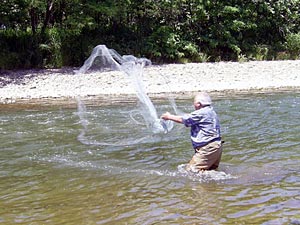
{"x":158,"y":80}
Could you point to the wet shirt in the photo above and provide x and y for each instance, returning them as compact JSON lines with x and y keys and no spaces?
{"x":205,"y":126}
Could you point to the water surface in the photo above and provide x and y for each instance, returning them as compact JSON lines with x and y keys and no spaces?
{"x":104,"y":166}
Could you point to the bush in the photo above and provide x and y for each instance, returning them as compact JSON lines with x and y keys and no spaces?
{"x":167,"y":45}
{"x":51,"y":48}
{"x":54,"y":49}
{"x":261,"y":52}
{"x":293,"y":44}
{"x":18,"y":50}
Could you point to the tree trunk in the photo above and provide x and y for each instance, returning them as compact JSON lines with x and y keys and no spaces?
{"x":48,"y":14}
{"x":33,"y":19}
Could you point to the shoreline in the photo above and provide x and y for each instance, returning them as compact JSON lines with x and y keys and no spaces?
{"x":112,"y":99}
{"x":62,"y":86}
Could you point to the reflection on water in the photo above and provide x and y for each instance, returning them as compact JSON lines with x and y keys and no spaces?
{"x":113,"y":170}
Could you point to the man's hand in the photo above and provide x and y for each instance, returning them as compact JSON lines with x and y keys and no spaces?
{"x":166,"y":116}
{"x":169,"y":116}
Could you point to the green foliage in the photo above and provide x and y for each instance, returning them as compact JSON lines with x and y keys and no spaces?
{"x":13,"y":13}
{"x":170,"y":46}
{"x":18,"y":50}
{"x":163,"y":43}
{"x":293,"y":44}
{"x":283,"y":55}
{"x":52,"y":49}
{"x":57,"y":33}
{"x":242,"y":58}
{"x":203,"y":57}
{"x":261,"y":52}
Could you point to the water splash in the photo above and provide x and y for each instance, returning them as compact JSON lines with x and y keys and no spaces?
{"x":103,"y":58}
{"x":111,"y":167}
{"x":205,"y":176}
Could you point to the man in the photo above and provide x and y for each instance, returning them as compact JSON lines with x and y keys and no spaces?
{"x":205,"y":134}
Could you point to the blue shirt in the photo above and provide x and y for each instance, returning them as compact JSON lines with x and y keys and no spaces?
{"x":205,"y":126}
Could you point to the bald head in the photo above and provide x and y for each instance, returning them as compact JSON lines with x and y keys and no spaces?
{"x":203,"y":98}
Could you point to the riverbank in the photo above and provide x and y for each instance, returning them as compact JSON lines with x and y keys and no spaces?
{"x":175,"y":79}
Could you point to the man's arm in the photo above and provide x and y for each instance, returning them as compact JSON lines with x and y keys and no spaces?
{"x":169,"y":116}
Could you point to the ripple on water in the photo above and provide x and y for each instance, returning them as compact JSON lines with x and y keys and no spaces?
{"x":48,"y":175}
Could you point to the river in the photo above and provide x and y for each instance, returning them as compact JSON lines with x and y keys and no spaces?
{"x":59,"y":166}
